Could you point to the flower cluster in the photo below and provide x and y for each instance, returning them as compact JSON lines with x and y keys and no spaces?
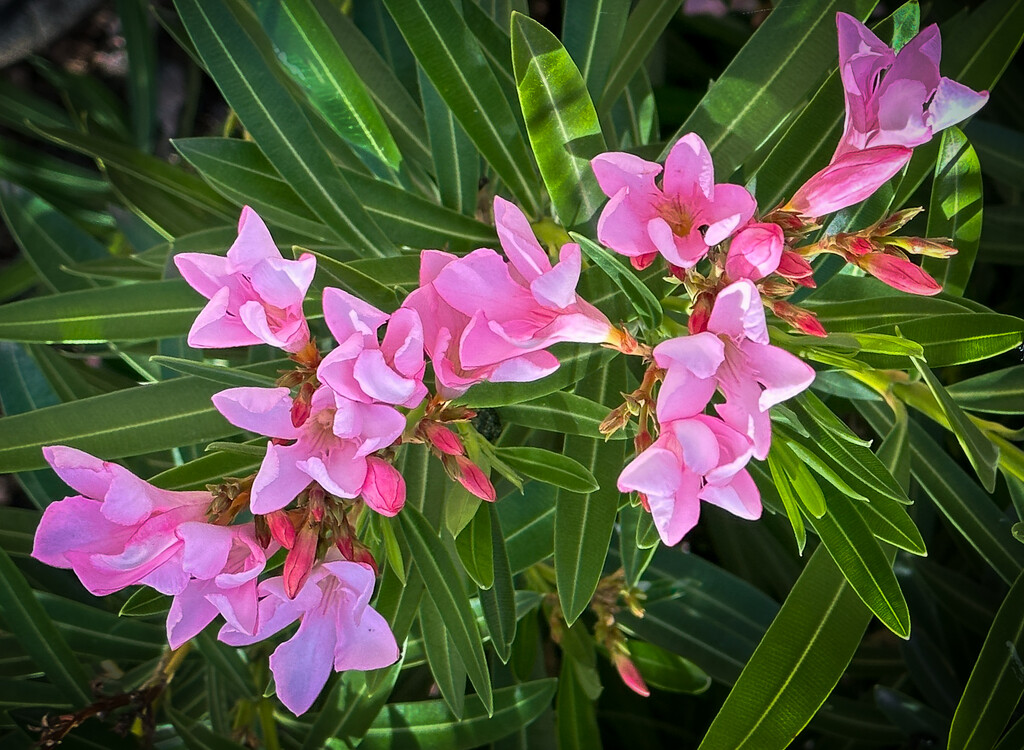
{"x":336,"y":421}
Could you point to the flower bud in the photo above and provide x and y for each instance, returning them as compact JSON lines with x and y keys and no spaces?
{"x":630,"y":674}
{"x":384,"y":488}
{"x":798,"y":317}
{"x":473,"y":479}
{"x":899,"y":273}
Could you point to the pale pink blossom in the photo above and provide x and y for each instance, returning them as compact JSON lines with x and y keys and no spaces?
{"x":733,"y":355}
{"x":362,"y":369}
{"x":255,"y":294}
{"x":694,"y":459}
{"x":755,"y":251}
{"x":224,"y":562}
{"x":330,"y":447}
{"x":120,"y":530}
{"x":337,"y":630}
{"x":487,"y":319}
{"x":681,"y":219}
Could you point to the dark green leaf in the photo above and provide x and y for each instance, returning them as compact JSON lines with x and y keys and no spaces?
{"x":547,"y":466}
{"x":643,"y":29}
{"x":566,"y":413}
{"x":664,"y":670}
{"x":443,"y":657}
{"x":475,"y":549}
{"x":643,"y":300}
{"x":498,"y":602}
{"x":575,"y":716}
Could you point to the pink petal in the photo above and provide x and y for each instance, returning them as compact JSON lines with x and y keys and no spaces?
{"x":76,"y":524}
{"x":266,"y":411}
{"x":899,"y":273}
{"x":403,"y":342}
{"x":215,"y":329}
{"x":655,"y":472}
{"x":557,"y":287}
{"x":738,"y":313}
{"x":279,"y":479}
{"x":340,"y":472}
{"x":688,"y":168}
{"x":283,"y":283}
{"x":850,"y":179}
{"x":953,"y":103}
{"x":740,"y":497}
{"x":698,"y":445}
{"x":368,"y":645}
{"x":378,"y":381}
{"x":253,"y":243}
{"x":525,"y":368}
{"x":518,"y":241}
{"x":346,"y":314}
{"x":204,"y":272}
{"x":732,"y":208}
{"x":617,"y":171}
{"x":190,"y":612}
{"x":622,"y":226}
{"x":755,"y":252}
{"x":782,"y":374}
{"x":675,"y":515}
{"x":206,"y":548}
{"x":301,"y":665}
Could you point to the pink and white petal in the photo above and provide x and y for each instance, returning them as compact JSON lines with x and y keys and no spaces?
{"x":76,"y":524}
{"x":403,"y":343}
{"x":82,"y":472}
{"x":849,"y":179}
{"x":254,"y":317}
{"x":378,"y":381}
{"x":204,"y":272}
{"x":732,"y":208}
{"x":702,"y":354}
{"x":368,"y":645}
{"x":301,"y":664}
{"x":525,"y":368}
{"x":190,"y":612}
{"x":275,"y":611}
{"x":953,"y":103}
{"x":556,"y":288}
{"x":431,"y":264}
{"x":688,"y":168}
{"x":341,"y":472}
{"x":214,"y":328}
{"x":266,"y":411}
{"x":253,"y":243}
{"x":676,"y":514}
{"x":656,"y":471}
{"x":518,"y":241}
{"x":279,"y":479}
{"x":740,"y":496}
{"x":205,"y":548}
{"x":698,"y":445}
{"x":617,"y":170}
{"x":688,"y":250}
{"x":739,"y":313}
{"x":734,"y":448}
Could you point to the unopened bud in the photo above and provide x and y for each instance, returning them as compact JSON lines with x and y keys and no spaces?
{"x":384,"y":488}
{"x":441,"y":438}
{"x":798,"y":317}
{"x":302,"y":405}
{"x":301,"y":557}
{"x":895,"y":221}
{"x":473,"y":479}
{"x":899,"y":273}
{"x":616,"y":420}
{"x":934,"y":247}
{"x":629,"y":673}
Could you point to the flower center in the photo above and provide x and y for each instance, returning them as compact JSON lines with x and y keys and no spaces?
{"x":677,"y":216}
{"x":321,"y":430}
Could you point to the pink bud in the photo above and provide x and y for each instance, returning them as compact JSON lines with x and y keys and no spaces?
{"x":301,"y":558}
{"x":363,"y":557}
{"x":795,"y":267}
{"x":700,"y":313}
{"x":442,"y":438}
{"x":384,"y":488}
{"x":640,"y":262}
{"x":798,"y":317}
{"x":630,"y":674}
{"x":473,"y":479}
{"x":899,"y":273}
{"x":281,"y":528}
{"x":755,"y":252}
{"x":302,"y":405}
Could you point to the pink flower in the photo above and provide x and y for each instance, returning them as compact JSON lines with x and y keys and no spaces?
{"x":849,"y":179}
{"x":755,"y":252}
{"x":361,"y":369}
{"x":338,"y":629}
{"x":896,"y":99}
{"x":688,"y":214}
{"x":735,"y":356}
{"x":224,"y":562}
{"x":255,"y":294}
{"x":694,"y":459}
{"x":120,"y":531}
{"x":330,"y":447}
{"x":487,"y":319}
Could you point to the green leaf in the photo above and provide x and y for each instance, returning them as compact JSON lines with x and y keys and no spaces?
{"x":528,"y":522}
{"x":450,"y":56}
{"x":566,"y":413}
{"x":998,"y":392}
{"x":208,"y":469}
{"x":230,"y":376}
{"x":317,"y":62}
{"x":547,"y":466}
{"x":796,"y":665}
{"x":996,"y":682}
{"x":142,"y":71}
{"x":145,"y":602}
{"x":456,"y":161}
{"x":131,"y":312}
{"x":444,"y":587}
{"x":592,"y":32}
{"x":443,"y":657}
{"x":767,"y":80}
{"x":430,"y":724}
{"x":955,"y":210}
{"x":664,"y":670}
{"x":584,"y":522}
{"x":640,"y":297}
{"x":560,"y":120}
{"x":981,"y":452}
{"x":28,"y":622}
{"x":790,"y":500}
{"x":849,"y":541}
{"x":575,"y":715}
{"x":475,"y":549}
{"x":643,"y":29}
{"x":499,"y":602}
{"x":222,"y":31}
{"x":350,"y":707}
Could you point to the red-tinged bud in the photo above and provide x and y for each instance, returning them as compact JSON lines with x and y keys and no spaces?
{"x":442,"y":438}
{"x":795,"y":267}
{"x":316,"y":502}
{"x":678,"y":272}
{"x":473,"y":479}
{"x":263,"y":536}
{"x":345,"y":546}
{"x":640,"y":262}
{"x":642,"y":441}
{"x":935,"y":247}
{"x":384,"y":488}
{"x":630,"y":674}
{"x":899,"y":273}
{"x":798,"y":317}
{"x":895,"y":221}
{"x":281,"y":528}
{"x":776,"y":287}
{"x":300,"y":558}
{"x":858,"y":246}
{"x":644,"y":502}
{"x":301,"y":406}
{"x":362,"y":555}
{"x":700,"y":313}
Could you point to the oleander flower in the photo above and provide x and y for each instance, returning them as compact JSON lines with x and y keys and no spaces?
{"x":255,"y":294}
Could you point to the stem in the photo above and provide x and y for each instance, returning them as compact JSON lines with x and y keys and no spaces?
{"x":268,"y":725}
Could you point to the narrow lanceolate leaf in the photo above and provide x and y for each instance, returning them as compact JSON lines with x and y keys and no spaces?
{"x":797,"y":664}
{"x":996,"y":685}
{"x":584,"y":522}
{"x":32,"y":627}
{"x":562,"y":412}
{"x":547,"y":466}
{"x":456,"y":161}
{"x":998,"y":392}
{"x":48,"y":239}
{"x":643,"y":29}
{"x":132,"y":312}
{"x":317,"y":62}
{"x":955,"y":210}
{"x":405,"y":726}
{"x":443,"y":658}
{"x":444,"y":587}
{"x":499,"y":601}
{"x":591,"y":32}
{"x":451,"y":57}
{"x":350,"y":707}
{"x":229,"y":376}
{"x":575,"y":716}
{"x":639,"y":295}
{"x":664,"y":670}
{"x":224,"y":35}
{"x":474,"y":547}
{"x":981,"y":452}
{"x":849,"y":540}
{"x":766,"y":80}
{"x":560,"y":119}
